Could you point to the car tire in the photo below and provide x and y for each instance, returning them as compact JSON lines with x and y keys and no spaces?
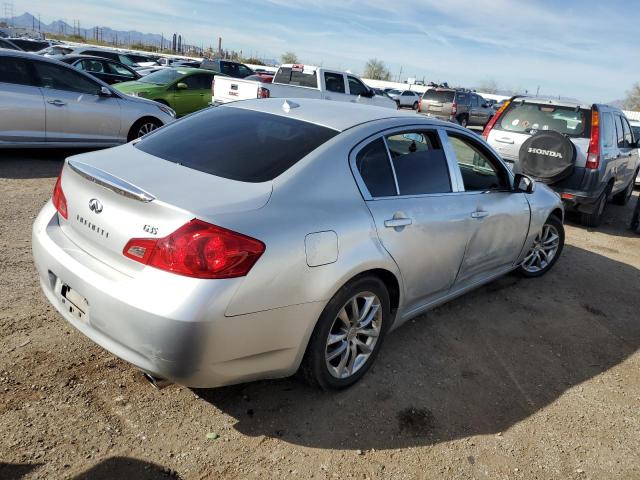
{"x":545,"y":251}
{"x":329,"y":361}
{"x":623,"y":197}
{"x":463,"y":121}
{"x":592,"y":220}
{"x":415,"y":106}
{"x":142,"y":127}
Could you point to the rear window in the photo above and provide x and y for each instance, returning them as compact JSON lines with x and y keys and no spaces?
{"x":236,"y":144}
{"x":298,"y":77}
{"x":531,"y":117}
{"x":442,"y":96}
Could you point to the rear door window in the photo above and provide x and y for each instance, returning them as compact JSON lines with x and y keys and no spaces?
{"x":375,"y":169}
{"x":296,"y":76}
{"x":237,"y":144}
{"x":15,"y":70}
{"x":530,"y":118}
{"x":419,"y":163}
{"x":334,"y":82}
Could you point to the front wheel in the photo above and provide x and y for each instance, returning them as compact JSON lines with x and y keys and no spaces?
{"x":624,"y":196}
{"x":545,"y":251}
{"x":142,"y":127}
{"x":348,"y":335}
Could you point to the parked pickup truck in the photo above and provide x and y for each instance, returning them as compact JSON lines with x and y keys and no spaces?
{"x":300,"y":81}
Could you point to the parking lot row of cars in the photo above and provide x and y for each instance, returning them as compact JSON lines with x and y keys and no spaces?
{"x":89,"y":96}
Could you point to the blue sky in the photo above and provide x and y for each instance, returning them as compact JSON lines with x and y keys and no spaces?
{"x":585,"y":49}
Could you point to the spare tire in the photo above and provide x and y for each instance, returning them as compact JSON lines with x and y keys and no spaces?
{"x":547,"y":156}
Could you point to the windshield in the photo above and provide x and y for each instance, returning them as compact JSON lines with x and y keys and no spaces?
{"x":531,"y":117}
{"x":163,"y":77}
{"x":442,"y":96}
{"x":237,"y":144}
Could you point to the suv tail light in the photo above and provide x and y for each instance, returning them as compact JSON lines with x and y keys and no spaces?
{"x":58,"y":198}
{"x":454,"y":108}
{"x":420,"y":104}
{"x":593,"y":154}
{"x":494,"y":119}
{"x":263,"y":92}
{"x":198,"y":249}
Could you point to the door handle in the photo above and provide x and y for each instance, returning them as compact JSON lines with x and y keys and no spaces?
{"x":56,"y":102}
{"x":505,"y":140}
{"x":479,"y":214}
{"x":397,"y":222}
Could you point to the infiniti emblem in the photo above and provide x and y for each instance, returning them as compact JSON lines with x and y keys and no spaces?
{"x":95,"y":205}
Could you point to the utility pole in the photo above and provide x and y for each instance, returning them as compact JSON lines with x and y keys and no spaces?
{"x":400,"y":75}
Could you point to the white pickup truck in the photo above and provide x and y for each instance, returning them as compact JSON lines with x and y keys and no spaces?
{"x":299,"y":81}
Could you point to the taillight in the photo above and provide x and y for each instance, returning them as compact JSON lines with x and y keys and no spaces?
{"x":58,"y":198}
{"x":454,"y":108}
{"x":593,"y":154}
{"x":494,"y":119}
{"x":420,"y":104}
{"x":263,"y":92}
{"x":198,"y":249}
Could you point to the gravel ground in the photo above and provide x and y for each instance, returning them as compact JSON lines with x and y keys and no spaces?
{"x":519,"y":379}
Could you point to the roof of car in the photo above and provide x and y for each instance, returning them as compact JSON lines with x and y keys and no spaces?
{"x":335,"y":115}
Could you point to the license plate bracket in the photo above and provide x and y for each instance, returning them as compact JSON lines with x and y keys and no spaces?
{"x":74,"y":303}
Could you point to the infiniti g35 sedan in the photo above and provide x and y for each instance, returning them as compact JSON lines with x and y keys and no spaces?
{"x":263,"y":238}
{"x":47,"y":103}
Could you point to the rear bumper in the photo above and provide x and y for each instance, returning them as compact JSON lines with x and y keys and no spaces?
{"x":170,"y":326}
{"x":583,"y":202}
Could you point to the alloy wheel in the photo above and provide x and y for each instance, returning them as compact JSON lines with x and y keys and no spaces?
{"x":544,"y":250}
{"x":146,"y":128}
{"x":353,"y":335}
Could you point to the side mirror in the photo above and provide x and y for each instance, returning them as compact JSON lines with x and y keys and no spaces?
{"x":368,"y":94}
{"x":104,"y":92}
{"x":182,"y":86}
{"x":523,"y":183}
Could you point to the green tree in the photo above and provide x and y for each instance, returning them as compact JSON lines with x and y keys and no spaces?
{"x":632,"y":102}
{"x":376,"y":70}
{"x":289,"y":57}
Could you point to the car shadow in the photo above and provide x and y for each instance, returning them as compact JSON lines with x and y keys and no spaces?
{"x":109,"y":469}
{"x":478,"y":365}
{"x":34,"y":163}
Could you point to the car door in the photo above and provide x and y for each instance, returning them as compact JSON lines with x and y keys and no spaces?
{"x":335,"y":87}
{"x":618,"y":156}
{"x":22,"y":107}
{"x":407,"y":184}
{"x":628,"y":154}
{"x":497,"y":217}
{"x":195,"y":96}
{"x":75,"y":110}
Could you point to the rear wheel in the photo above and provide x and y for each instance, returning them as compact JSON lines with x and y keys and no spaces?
{"x":142,"y":127}
{"x":348,"y":335}
{"x":593,"y":219}
{"x":624,"y":196}
{"x":545,"y":251}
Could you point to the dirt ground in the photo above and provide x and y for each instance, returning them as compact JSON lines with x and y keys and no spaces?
{"x":521,"y":379}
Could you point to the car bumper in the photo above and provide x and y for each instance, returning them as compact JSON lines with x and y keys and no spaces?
{"x":174,"y":327}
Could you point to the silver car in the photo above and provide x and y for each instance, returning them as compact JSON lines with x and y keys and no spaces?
{"x":46,"y":103}
{"x":264,"y":237}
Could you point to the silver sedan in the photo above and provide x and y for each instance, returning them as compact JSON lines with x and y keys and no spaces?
{"x":264,"y":237}
{"x":46,"y":103}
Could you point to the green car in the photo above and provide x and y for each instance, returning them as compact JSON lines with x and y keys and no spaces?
{"x":186,"y":90}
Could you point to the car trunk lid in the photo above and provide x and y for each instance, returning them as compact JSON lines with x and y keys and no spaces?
{"x":123,"y":193}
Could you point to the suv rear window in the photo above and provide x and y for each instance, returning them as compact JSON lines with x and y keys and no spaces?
{"x":237,"y":144}
{"x":301,"y":78}
{"x":530,"y":117}
{"x":442,"y":96}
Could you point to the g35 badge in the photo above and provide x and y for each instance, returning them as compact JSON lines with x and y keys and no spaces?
{"x":150,"y":229}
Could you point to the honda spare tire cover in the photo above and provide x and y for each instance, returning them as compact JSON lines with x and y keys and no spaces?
{"x":547,"y":156}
